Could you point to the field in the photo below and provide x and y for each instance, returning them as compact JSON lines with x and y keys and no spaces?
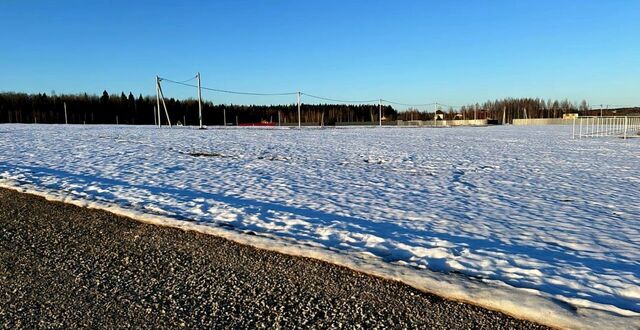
{"x":521,"y":219}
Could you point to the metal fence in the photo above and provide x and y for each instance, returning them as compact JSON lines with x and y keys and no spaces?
{"x":624,"y":127}
{"x":442,"y":123}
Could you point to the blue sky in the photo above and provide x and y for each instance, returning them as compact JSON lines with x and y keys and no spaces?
{"x":452,"y":52}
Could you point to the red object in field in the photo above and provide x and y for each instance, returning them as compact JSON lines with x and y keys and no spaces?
{"x":257,"y":124}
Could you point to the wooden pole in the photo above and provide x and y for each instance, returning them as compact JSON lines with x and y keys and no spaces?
{"x":66,"y":122}
{"x":299,"y":120}
{"x":199,"y":101}
{"x":379,"y":111}
{"x":166,"y":111}
{"x":504,"y":115}
{"x":158,"y":101}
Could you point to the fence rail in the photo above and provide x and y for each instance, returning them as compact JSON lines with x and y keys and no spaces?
{"x":443,"y":123}
{"x":584,"y":127}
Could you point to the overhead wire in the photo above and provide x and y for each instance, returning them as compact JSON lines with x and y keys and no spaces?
{"x":449,"y":106}
{"x":337,"y":100}
{"x":611,"y":105}
{"x":185,"y":83}
{"x":248,"y":93}
{"x":192,"y":78}
{"x":228,"y":91}
{"x":408,"y":104}
{"x":264,"y":94}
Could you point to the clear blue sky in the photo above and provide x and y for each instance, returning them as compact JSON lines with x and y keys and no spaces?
{"x":453,"y":52}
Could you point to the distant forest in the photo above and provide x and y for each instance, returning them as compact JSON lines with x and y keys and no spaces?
{"x":520,"y":108}
{"x":128,"y":109}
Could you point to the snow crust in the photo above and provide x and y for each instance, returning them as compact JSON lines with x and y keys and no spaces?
{"x":518,"y":219}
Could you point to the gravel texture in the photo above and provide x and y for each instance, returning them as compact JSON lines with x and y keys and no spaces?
{"x":63,"y":266}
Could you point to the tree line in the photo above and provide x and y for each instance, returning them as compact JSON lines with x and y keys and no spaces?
{"x":517,"y":108}
{"x":522,"y":108}
{"x":128,"y":109}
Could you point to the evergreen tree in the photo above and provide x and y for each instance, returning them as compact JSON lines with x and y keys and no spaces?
{"x":105,"y":97}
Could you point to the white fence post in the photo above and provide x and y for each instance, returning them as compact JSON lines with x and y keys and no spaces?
{"x":626,"y":123}
{"x":580,"y":135}
{"x":596,"y":126}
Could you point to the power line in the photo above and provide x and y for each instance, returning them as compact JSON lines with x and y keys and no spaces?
{"x":228,"y":91}
{"x":177,"y":82}
{"x":190,"y":79}
{"x":409,"y":105}
{"x":248,"y":93}
{"x":336,"y":100}
{"x":264,"y":94}
{"x":449,"y":106}
{"x":184,"y":83}
{"x":611,"y":105}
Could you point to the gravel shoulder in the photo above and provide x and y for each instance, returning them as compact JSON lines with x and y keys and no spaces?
{"x":62,"y":266}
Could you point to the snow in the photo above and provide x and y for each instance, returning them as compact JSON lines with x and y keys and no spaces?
{"x":520,"y":219}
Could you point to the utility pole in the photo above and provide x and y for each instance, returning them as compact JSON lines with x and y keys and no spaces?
{"x":199,"y":101}
{"x":224,"y":116}
{"x":164,"y":104}
{"x":504,"y":115}
{"x":435,"y":115}
{"x":299,"y":120}
{"x":158,"y":100}
{"x":600,"y":110}
{"x":279,"y":123}
{"x":379,"y":111}
{"x":65,"y":113}
{"x":155,"y":116}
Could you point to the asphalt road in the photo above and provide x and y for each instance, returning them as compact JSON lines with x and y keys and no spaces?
{"x":63,"y":266}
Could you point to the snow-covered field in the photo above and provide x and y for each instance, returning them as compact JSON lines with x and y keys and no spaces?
{"x":524,"y":209}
